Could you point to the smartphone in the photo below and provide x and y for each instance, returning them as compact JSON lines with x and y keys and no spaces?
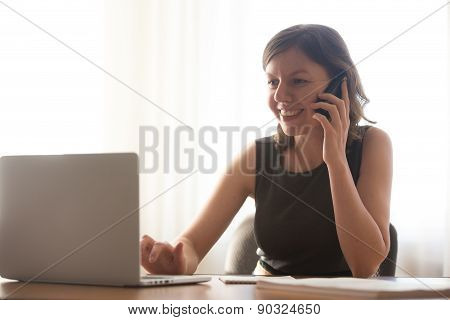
{"x":334,"y":88}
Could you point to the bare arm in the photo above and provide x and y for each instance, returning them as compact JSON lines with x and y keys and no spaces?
{"x":362,"y":212}
{"x":231,"y":192}
{"x":190,"y":247}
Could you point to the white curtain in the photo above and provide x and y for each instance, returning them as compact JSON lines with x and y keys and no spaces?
{"x":51,"y":99}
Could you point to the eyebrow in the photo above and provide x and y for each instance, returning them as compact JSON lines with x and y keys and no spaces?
{"x":292,"y":73}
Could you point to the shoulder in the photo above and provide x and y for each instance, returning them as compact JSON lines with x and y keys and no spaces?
{"x":377,"y":153}
{"x":249,"y":158}
{"x":376,"y":139}
{"x":243,"y":167}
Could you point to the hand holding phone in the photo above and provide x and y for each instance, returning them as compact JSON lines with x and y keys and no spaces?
{"x":334,"y":88}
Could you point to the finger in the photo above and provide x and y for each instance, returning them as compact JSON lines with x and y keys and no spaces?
{"x":339,"y":103}
{"x":146,"y":236}
{"x":178,"y":248}
{"x":147,"y":240}
{"x":145,"y":258}
{"x":329,"y":97}
{"x":179,"y":252}
{"x":324,"y":122}
{"x":336,"y":117}
{"x":158,"y":247}
{"x":179,"y":257}
{"x":147,"y":244}
{"x":345,"y":97}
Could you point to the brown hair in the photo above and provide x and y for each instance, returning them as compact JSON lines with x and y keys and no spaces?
{"x":326,"y":47}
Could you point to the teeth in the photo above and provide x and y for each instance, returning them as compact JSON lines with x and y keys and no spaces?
{"x":290,"y":113}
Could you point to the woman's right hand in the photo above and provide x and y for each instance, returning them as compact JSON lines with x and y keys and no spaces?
{"x":162,"y":257}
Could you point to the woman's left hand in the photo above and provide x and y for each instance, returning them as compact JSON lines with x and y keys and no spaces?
{"x":336,"y":131}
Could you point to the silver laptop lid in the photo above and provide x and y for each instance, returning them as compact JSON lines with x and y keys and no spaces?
{"x":70,"y":218}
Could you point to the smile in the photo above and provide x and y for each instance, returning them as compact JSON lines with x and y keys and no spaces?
{"x":290,"y":115}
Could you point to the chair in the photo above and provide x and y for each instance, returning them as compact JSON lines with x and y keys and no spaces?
{"x":387,"y":267}
{"x":241,"y":254}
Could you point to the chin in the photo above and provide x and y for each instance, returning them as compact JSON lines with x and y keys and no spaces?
{"x":291,"y":131}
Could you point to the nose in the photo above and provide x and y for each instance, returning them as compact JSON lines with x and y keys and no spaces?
{"x":282,"y":94}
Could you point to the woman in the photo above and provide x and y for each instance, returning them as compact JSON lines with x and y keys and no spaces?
{"x":321,"y":185}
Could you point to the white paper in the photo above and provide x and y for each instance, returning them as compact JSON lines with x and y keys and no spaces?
{"x":357,"y":284}
{"x":250,"y":279}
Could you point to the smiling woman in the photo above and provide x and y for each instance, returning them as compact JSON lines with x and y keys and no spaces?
{"x":323,"y":223}
{"x":331,"y":219}
{"x":317,"y":54}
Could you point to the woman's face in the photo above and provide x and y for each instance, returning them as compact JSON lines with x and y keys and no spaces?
{"x":294,"y":81}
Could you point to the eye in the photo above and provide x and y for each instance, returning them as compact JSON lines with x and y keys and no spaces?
{"x":300,"y":81}
{"x":272,"y":83}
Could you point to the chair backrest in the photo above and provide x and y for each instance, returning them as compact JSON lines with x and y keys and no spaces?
{"x":241,"y":254}
{"x":387,"y":267}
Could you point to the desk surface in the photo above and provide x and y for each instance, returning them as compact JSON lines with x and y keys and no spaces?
{"x":213,"y":290}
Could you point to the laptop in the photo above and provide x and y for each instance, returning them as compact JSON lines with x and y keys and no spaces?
{"x":73,"y":219}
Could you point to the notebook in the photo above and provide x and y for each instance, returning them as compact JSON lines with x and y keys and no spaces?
{"x":356,"y":288}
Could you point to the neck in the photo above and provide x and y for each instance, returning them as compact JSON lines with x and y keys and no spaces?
{"x":307,"y":152}
{"x":309,"y":139}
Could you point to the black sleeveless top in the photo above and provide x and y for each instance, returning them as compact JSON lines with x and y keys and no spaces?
{"x":298,"y":237}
